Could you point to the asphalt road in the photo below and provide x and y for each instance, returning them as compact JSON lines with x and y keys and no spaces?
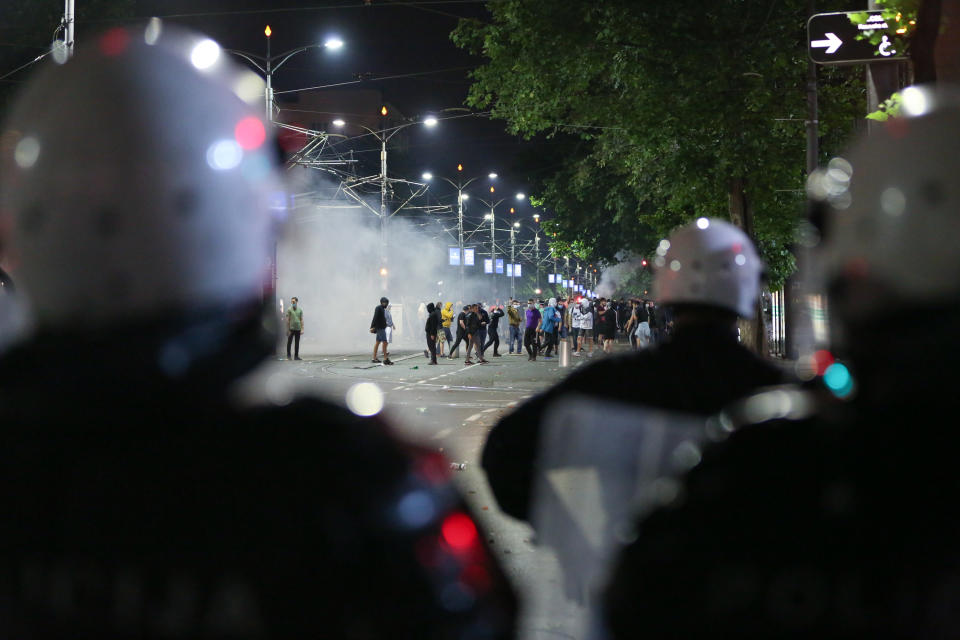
{"x":451,"y":407}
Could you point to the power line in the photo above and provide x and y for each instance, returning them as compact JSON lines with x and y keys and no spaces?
{"x":402,"y":75}
{"x":421,"y":4}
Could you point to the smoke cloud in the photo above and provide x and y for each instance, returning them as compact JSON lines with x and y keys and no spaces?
{"x":329,"y":257}
{"x":615,"y":277}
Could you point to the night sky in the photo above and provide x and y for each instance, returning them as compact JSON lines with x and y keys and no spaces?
{"x":382,"y":39}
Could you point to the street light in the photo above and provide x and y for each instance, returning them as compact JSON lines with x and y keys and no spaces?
{"x":383,"y":136}
{"x":266,"y":65}
{"x":493,"y":241}
{"x":513,"y":260}
{"x":461,"y":197}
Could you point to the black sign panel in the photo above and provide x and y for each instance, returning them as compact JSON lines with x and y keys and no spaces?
{"x":832,"y":39}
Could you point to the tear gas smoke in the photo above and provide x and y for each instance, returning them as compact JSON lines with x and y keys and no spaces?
{"x":329,"y":256}
{"x":614,"y":277}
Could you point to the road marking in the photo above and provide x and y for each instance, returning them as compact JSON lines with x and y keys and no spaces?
{"x":475,"y":417}
{"x":442,"y":434}
{"x":487,"y":410}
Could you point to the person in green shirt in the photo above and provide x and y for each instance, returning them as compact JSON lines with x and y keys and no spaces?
{"x":294,"y":327}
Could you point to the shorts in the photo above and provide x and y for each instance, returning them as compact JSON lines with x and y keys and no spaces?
{"x":381,"y":335}
{"x":586,"y":333}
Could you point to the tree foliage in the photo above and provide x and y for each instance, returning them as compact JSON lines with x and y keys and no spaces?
{"x":668,"y":103}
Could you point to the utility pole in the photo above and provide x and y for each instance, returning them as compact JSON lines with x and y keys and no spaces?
{"x":536,"y":253}
{"x":460,"y":234}
{"x":384,"y":270}
{"x":513,"y":260}
{"x":493,"y":251}
{"x":69,"y":19}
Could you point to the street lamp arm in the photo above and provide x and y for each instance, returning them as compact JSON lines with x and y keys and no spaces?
{"x":286,"y":55}
{"x":249,"y":57}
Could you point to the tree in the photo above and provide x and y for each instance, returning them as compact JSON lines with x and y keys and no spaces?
{"x":685,"y":109}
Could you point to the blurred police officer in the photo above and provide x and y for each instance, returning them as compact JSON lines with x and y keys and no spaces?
{"x":833,"y":513}
{"x":699,"y":371}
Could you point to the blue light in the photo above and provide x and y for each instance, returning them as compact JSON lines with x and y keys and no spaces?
{"x":838,"y":379}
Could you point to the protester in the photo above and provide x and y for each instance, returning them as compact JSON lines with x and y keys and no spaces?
{"x":531,"y":330}
{"x":547,"y":324}
{"x":513,"y":315}
{"x":484,"y":324}
{"x":390,"y":327}
{"x":575,"y":321}
{"x":586,"y":327}
{"x":493,"y":336}
{"x":472,"y":323}
{"x":607,"y":328}
{"x":447,"y":315}
{"x":461,"y":331}
{"x":830,"y":512}
{"x":295,"y":327}
{"x":432,"y":327}
{"x":151,"y":488}
{"x":378,"y":326}
{"x":702,"y":369}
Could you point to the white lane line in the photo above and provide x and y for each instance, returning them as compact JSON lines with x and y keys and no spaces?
{"x":442,"y":434}
{"x":487,"y":410}
{"x":475,"y":417}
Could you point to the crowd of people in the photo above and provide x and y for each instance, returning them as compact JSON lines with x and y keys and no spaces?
{"x":144,"y":499}
{"x":536,"y":326}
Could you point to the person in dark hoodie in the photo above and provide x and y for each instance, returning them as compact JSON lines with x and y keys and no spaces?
{"x":700,"y":371}
{"x":461,"y":330}
{"x":493,"y":334}
{"x":432,"y":327}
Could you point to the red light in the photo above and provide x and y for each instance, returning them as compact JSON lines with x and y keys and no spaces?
{"x":643,"y":262}
{"x":433,"y":468}
{"x":459,"y":531}
{"x":822,"y":360}
{"x":250,"y":133}
{"x":114,"y":42}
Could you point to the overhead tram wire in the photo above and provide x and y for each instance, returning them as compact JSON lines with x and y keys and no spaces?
{"x":421,"y":4}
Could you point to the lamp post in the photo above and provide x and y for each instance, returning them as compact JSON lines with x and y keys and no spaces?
{"x":536,"y":247}
{"x":384,"y":136}
{"x":459,"y":185}
{"x":268,"y":65}
{"x":493,"y":243}
{"x":513,"y":260}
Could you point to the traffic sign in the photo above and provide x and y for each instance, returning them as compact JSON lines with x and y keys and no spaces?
{"x":832,"y":38}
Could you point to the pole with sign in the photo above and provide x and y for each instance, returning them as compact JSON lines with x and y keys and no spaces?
{"x":843,"y":38}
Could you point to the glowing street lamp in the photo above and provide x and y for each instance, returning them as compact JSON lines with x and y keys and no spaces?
{"x":268,"y":65}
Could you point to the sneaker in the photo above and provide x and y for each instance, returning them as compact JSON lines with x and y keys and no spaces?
{"x":576,"y":354}
{"x":375,"y":360}
{"x":498,"y":355}
{"x":297,"y":358}
{"x":388,"y":361}
{"x":484,"y":361}
{"x":431,"y":363}
{"x":548,"y":357}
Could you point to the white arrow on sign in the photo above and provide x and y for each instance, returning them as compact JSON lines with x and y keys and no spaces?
{"x":832,"y":43}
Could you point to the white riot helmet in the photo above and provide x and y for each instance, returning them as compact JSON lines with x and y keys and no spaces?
{"x":892,"y":226}
{"x":709,"y":262}
{"x":141,"y":181}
